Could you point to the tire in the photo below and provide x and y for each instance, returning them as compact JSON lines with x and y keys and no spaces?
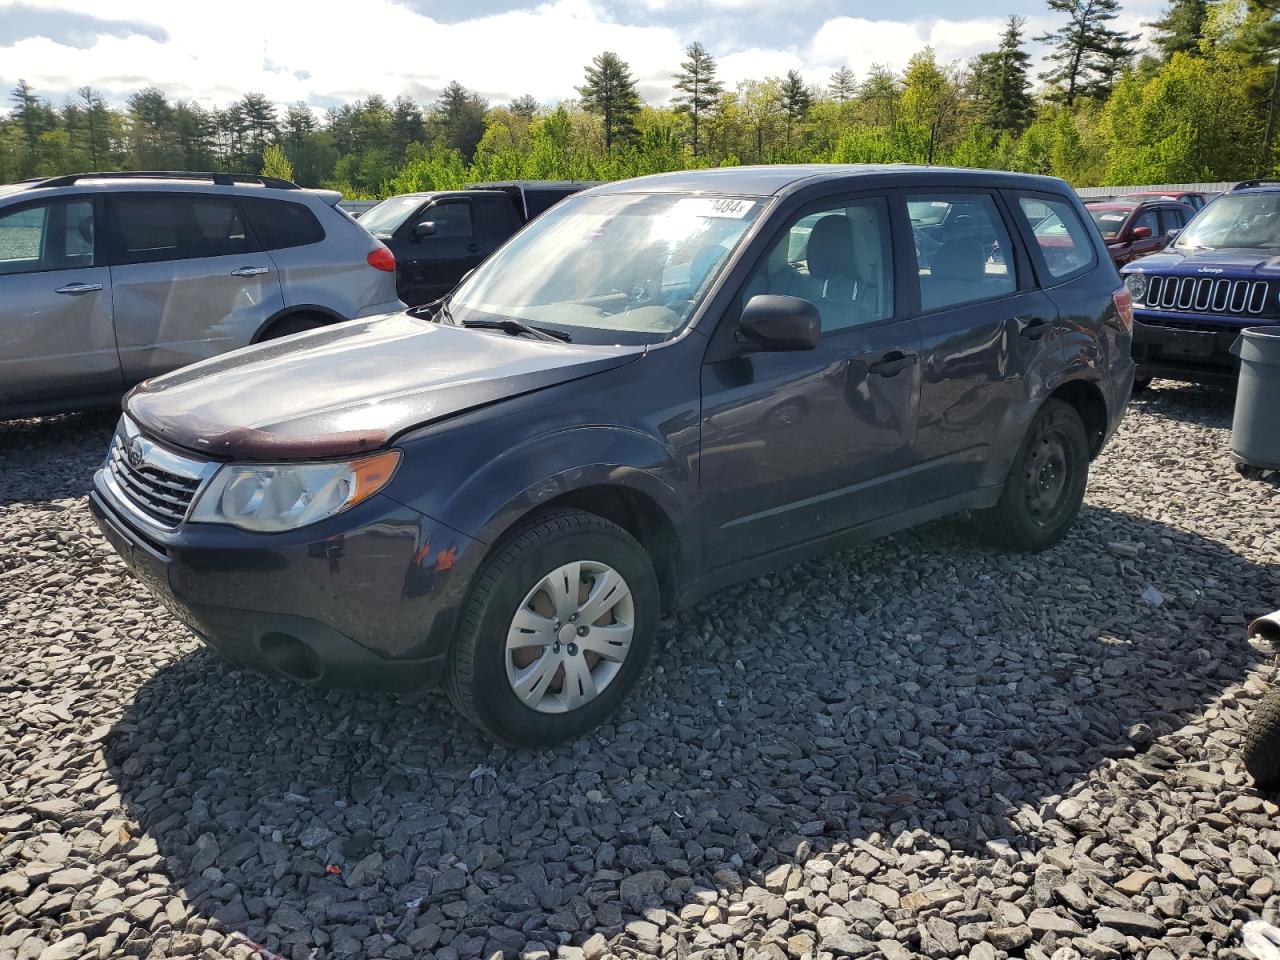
{"x":287,"y":326}
{"x":482,"y":673}
{"x":1262,"y":743}
{"x":1046,"y":483}
{"x":1141,"y":386}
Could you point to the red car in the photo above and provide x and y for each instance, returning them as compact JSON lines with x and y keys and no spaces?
{"x":1133,"y":229}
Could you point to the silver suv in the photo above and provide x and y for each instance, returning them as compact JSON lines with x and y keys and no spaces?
{"x":108,"y":279}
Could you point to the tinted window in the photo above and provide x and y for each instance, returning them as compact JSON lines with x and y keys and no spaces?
{"x":451,"y":219}
{"x":964,"y":255}
{"x":157,"y":227}
{"x":48,"y":236}
{"x":1145,"y":219}
{"x":1170,"y":219}
{"x":838,"y":259}
{"x":282,"y":223}
{"x":1060,"y":234}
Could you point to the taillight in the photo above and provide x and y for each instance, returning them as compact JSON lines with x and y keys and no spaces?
{"x":382,"y":259}
{"x":1124,"y":306}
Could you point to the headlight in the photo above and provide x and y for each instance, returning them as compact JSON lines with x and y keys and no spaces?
{"x":270,"y":497}
{"x":1137,"y":284}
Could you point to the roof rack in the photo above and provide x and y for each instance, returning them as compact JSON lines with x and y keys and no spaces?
{"x":219,"y":179}
{"x":1250,"y":184}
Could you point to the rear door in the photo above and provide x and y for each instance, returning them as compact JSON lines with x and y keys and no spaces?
{"x":983,"y":326}
{"x":190,"y":281}
{"x":56,"y":339}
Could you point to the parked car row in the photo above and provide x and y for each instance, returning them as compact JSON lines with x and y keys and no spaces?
{"x":656,"y":388}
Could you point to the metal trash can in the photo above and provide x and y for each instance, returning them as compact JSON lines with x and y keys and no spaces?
{"x":1255,"y":428}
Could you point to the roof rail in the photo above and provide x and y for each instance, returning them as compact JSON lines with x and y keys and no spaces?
{"x":219,"y":179}
{"x":1250,"y":184}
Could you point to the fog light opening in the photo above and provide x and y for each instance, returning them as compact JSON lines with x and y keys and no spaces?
{"x":290,"y":656}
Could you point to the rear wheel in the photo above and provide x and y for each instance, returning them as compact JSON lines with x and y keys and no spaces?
{"x":1262,"y":744}
{"x":287,"y":326}
{"x":1045,"y":486}
{"x":557,"y":631}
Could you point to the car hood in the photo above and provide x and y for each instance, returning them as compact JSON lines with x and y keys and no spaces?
{"x":352,"y":387}
{"x":1233,"y":263}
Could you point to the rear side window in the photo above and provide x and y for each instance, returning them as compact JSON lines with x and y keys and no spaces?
{"x":151,"y":228}
{"x":282,"y":223}
{"x":1061,"y":236}
{"x":963,"y":250}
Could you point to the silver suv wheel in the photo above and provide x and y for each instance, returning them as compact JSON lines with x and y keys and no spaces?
{"x":569,"y":637}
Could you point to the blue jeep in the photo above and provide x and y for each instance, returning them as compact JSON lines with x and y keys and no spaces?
{"x":1220,"y":275}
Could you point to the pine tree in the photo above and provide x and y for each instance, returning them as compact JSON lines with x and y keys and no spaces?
{"x":93,"y":110}
{"x":525,"y":107}
{"x":459,"y":116}
{"x":843,"y":86}
{"x":1181,"y":28}
{"x":699,"y":88}
{"x":1003,"y":89}
{"x":796,"y":99}
{"x":33,"y":117}
{"x":1085,"y":48}
{"x":611,"y":93}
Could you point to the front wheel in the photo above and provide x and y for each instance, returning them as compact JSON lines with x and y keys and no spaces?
{"x":557,"y":631}
{"x":1045,"y":486}
{"x":1262,"y":743}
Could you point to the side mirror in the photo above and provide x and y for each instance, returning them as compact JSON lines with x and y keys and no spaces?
{"x":1140,"y":233}
{"x":1172,"y":234}
{"x":775,"y":322}
{"x":426,"y":228}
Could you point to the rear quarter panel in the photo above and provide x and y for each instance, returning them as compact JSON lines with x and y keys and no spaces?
{"x":335,"y":272}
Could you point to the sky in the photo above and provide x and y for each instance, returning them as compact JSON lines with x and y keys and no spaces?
{"x":326,"y":54}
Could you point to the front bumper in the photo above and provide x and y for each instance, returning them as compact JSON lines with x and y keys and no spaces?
{"x":367,"y":599}
{"x":1185,"y":346}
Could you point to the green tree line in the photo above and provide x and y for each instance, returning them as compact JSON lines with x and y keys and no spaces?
{"x":1200,"y":104}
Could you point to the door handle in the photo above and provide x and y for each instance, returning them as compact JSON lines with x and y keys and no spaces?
{"x":1033,"y":328}
{"x":250,"y":271}
{"x":892,"y":363}
{"x":75,"y":289}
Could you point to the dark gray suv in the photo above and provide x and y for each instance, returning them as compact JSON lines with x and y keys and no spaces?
{"x":108,"y":279}
{"x":658,"y":387}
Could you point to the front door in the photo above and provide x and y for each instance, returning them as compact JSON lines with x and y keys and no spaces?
{"x":983,"y":326}
{"x":56,"y":339}
{"x":796,"y":446}
{"x":189,"y":280}
{"x":429,"y":265}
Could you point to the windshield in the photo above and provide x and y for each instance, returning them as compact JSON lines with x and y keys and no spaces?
{"x":387,"y":216}
{"x":616,"y":268}
{"x":1250,"y":221}
{"x":1109,"y":221}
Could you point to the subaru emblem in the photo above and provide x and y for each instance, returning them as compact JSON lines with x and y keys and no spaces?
{"x":135,"y":453}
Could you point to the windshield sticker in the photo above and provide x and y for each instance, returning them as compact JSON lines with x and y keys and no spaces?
{"x":725,"y":207}
{"x":1112,"y":217}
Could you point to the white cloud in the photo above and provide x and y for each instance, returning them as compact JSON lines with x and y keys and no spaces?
{"x":323,"y":51}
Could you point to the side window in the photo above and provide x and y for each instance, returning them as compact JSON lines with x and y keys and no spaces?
{"x":151,"y":228}
{"x":839,"y":259}
{"x":1061,"y":235}
{"x":281,"y":223}
{"x":47,"y":236}
{"x":452,"y":219}
{"x":1145,"y":219}
{"x":963,"y":253}
{"x":1170,"y":219}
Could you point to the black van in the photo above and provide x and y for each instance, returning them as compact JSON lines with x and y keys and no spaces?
{"x":658,"y":387}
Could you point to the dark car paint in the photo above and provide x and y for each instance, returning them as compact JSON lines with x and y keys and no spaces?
{"x":737,"y":452}
{"x":1195,"y":345}
{"x":417,"y":370}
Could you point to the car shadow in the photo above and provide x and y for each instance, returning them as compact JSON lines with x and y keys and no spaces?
{"x":63,"y":445}
{"x":960,"y":705}
{"x":1209,"y":405}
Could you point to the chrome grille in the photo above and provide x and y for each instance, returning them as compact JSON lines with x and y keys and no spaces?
{"x":1208,"y":294}
{"x":156,"y":482}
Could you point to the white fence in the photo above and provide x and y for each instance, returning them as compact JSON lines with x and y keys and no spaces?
{"x":1210,"y":188}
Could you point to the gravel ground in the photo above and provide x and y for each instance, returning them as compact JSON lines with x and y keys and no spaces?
{"x":920,"y":747}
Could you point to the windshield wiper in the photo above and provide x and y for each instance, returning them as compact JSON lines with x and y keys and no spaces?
{"x":512,"y":326}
